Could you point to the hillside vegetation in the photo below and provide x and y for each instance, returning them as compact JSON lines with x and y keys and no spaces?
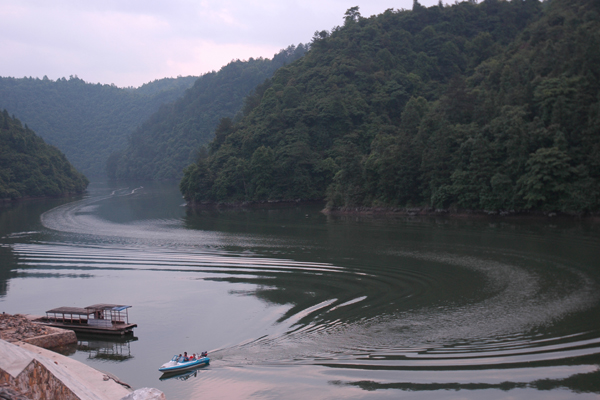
{"x":86,"y":121}
{"x":29,"y":167}
{"x":168,"y":141}
{"x":489,"y":106}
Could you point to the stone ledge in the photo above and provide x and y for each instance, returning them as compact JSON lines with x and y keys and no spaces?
{"x":43,"y":374}
{"x":21,"y":328}
{"x":54,"y":338}
{"x":35,"y":372}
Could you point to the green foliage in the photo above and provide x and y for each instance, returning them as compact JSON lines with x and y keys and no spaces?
{"x":262,"y":170}
{"x":86,"y":121}
{"x":492,"y":105}
{"x":547,"y":177}
{"x":165,"y":143}
{"x":30,"y":167}
{"x":197,"y":182}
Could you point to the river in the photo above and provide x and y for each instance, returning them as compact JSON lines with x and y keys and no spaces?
{"x":291,"y":303}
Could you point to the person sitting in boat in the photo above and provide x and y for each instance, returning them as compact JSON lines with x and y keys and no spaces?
{"x":185,"y":356}
{"x":193,"y":357}
{"x":204,"y":354}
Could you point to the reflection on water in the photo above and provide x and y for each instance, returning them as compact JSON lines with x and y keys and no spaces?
{"x":106,"y":348}
{"x":18,"y":221}
{"x":8,"y":266}
{"x":183,"y":376}
{"x":294,"y":303}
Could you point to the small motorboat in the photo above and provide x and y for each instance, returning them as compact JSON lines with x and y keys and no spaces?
{"x":177,"y":364}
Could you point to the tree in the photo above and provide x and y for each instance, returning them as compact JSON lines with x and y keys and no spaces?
{"x":262,"y":169}
{"x":197,"y":182}
{"x":546,"y":181}
{"x":463,"y":106}
{"x":5,"y":118}
{"x":30,"y":167}
{"x":352,"y":15}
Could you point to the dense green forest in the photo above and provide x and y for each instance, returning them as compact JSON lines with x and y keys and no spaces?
{"x":168,"y":141}
{"x":30,"y":167}
{"x":86,"y":121}
{"x":485,"y":106}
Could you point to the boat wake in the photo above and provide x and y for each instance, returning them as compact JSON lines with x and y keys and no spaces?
{"x":423,"y":309}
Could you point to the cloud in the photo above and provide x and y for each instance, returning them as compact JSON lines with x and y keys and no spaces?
{"x":133,"y":42}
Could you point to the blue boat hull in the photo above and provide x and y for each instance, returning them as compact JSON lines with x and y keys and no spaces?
{"x":184,"y":366}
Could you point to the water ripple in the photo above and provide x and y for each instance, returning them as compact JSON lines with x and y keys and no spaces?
{"x":419,"y":314}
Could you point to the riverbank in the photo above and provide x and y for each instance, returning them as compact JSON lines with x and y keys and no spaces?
{"x":29,"y":369}
{"x":454,"y":212}
{"x":399,"y":211}
{"x":39,"y":373}
{"x":20,"y":328}
{"x":15,"y":200}
{"x":252,"y":204}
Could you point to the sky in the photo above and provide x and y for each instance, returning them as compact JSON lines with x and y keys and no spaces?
{"x":131,"y":42}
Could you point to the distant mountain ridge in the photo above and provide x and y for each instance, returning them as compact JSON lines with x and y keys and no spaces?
{"x":169,"y":139}
{"x":86,"y":121}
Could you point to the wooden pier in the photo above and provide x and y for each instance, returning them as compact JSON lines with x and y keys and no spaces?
{"x":103,"y":319}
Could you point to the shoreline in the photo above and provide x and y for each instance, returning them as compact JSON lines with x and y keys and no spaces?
{"x":36,"y":372}
{"x":30,"y":366}
{"x":403,"y":211}
{"x":459,"y":213}
{"x":9,"y":200}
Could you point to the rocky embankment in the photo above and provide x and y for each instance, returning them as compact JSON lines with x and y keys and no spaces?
{"x":69,"y":378}
{"x":8,"y":393}
{"x":16,"y":328}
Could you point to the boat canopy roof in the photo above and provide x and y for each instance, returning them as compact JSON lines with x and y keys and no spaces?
{"x":113,"y":307}
{"x":88,"y":310}
{"x":69,"y":310}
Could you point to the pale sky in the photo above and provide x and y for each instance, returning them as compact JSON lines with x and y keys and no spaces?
{"x":131,"y":42}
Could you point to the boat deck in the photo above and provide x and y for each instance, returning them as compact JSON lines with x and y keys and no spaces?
{"x":105,"y":319}
{"x":83,"y":327}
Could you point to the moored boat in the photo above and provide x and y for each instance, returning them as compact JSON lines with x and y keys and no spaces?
{"x":112,"y":319}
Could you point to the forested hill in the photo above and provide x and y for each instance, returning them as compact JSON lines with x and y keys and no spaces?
{"x":30,"y":167}
{"x":86,"y":121}
{"x":168,"y":141}
{"x":488,"y":106}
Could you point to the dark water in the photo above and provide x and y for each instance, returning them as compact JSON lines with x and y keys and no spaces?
{"x":291,"y":303}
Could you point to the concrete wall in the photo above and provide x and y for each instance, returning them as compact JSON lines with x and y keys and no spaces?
{"x":57,"y":337}
{"x":41,"y":374}
{"x":37,"y":383}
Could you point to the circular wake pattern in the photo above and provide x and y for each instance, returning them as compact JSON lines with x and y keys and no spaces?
{"x":351,"y":329}
{"x":500,"y":328}
{"x":429,"y":309}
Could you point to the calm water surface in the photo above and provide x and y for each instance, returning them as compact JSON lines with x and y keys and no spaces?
{"x":291,"y":303}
